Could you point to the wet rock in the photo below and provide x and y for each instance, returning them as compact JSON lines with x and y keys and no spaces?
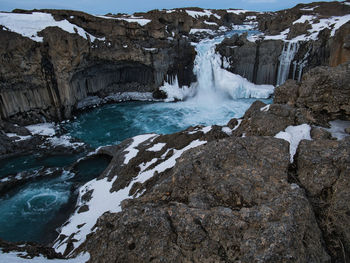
{"x":225,"y":201}
{"x":323,"y":170}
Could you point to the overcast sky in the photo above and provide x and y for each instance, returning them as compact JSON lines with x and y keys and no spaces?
{"x":131,"y":6}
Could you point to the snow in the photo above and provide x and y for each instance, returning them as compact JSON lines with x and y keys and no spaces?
{"x":201,"y":30}
{"x":304,"y":18}
{"x":237,"y":11}
{"x":227,"y":130}
{"x":102,"y":200}
{"x":29,"y":25}
{"x":206,"y":129}
{"x":45,"y":129}
{"x":333,"y":23}
{"x":196,"y":14}
{"x":346,"y":3}
{"x":21,"y":138}
{"x":137,"y":140}
{"x":133,"y":19}
{"x":13,"y":258}
{"x":239,"y":123}
{"x":265,"y":108}
{"x":210,"y":23}
{"x":337,"y":129}
{"x":157,"y":147}
{"x":64,"y":140}
{"x":150,"y":49}
{"x":170,"y":11}
{"x":308,"y":9}
{"x":174,"y":92}
{"x":293,"y":135}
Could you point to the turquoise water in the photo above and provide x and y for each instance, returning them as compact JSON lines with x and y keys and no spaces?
{"x":28,"y":212}
{"x":33,"y":162}
{"x":110,"y":124}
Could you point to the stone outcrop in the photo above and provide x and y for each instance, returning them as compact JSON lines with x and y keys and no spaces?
{"x":229,"y":200}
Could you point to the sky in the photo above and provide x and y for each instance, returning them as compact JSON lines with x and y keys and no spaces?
{"x":131,"y":6}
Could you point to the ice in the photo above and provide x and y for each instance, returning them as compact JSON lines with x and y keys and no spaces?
{"x":157,"y":147}
{"x":286,"y":58}
{"x":45,"y":129}
{"x":337,"y":129}
{"x":174,"y":92}
{"x":29,"y":25}
{"x":12,"y":257}
{"x":137,"y":140}
{"x":293,"y":135}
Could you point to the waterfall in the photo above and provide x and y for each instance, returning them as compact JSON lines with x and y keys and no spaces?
{"x":286,"y":58}
{"x":215,"y":84}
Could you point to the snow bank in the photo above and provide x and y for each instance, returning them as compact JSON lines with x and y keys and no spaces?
{"x":137,"y":140}
{"x":29,"y":25}
{"x":13,"y":258}
{"x":157,"y":147}
{"x":293,"y":135}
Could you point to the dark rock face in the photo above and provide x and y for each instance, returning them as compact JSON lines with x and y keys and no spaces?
{"x":226,"y":201}
{"x":323,"y":170}
{"x":256,"y":61}
{"x":45,"y":80}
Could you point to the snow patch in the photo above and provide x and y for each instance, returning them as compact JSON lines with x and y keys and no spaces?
{"x":20,"y":138}
{"x":227,"y":130}
{"x":137,"y":140}
{"x":196,"y":14}
{"x":293,"y":135}
{"x":201,"y":30}
{"x":265,"y":108}
{"x":237,"y":11}
{"x":206,"y":129}
{"x":29,"y":25}
{"x":44,"y":129}
{"x":65,"y":141}
{"x":337,"y":129}
{"x":12,"y":257}
{"x":157,"y":147}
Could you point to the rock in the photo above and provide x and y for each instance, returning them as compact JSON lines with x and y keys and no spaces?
{"x":323,"y":170}
{"x":256,"y":61}
{"x":298,"y":29}
{"x":226,"y":201}
{"x":232,"y":123}
{"x":318,"y":133}
{"x":286,"y":93}
{"x":259,"y":122}
{"x":347,"y":130}
{"x":325,"y":91}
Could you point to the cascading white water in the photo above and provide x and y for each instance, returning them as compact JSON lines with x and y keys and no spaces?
{"x":215,"y":84}
{"x":286,"y":58}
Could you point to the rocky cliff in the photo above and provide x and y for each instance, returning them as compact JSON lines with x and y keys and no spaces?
{"x":314,"y":34}
{"x":71,"y":55}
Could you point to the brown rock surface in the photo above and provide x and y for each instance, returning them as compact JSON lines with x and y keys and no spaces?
{"x":226,"y":201}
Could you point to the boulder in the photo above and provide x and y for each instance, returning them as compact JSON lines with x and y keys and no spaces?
{"x":323,"y":170}
{"x":226,"y":201}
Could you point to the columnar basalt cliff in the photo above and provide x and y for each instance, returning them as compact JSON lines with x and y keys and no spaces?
{"x":45,"y":73}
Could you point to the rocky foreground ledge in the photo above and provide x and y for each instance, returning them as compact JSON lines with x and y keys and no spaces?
{"x":270,"y":187}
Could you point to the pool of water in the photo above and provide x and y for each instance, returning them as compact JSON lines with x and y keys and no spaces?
{"x":110,"y":124}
